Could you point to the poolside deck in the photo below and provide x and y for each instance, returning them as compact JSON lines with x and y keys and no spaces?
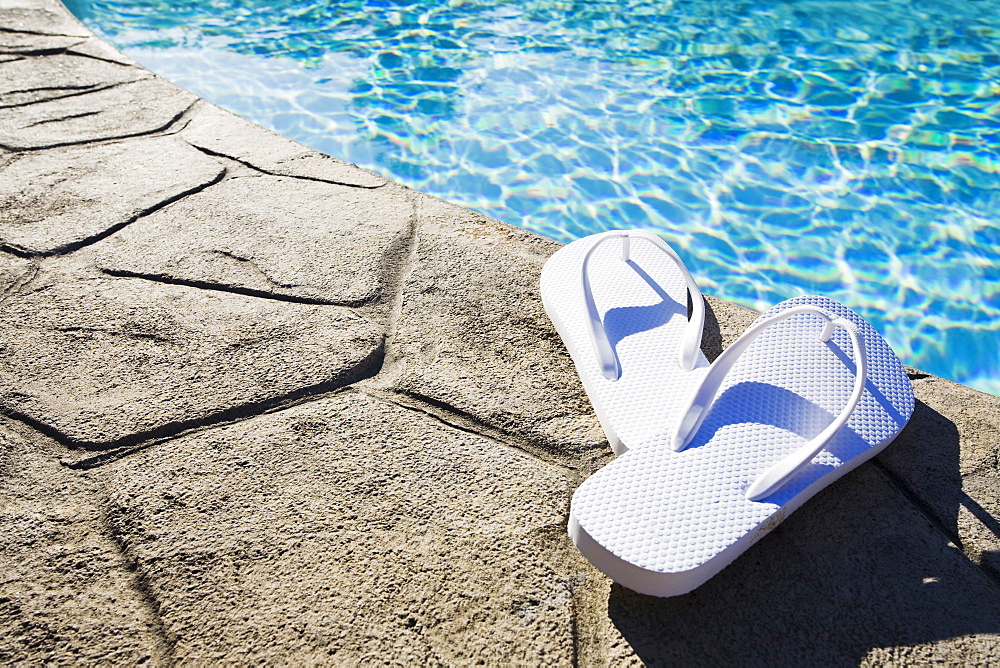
{"x":261,"y":405}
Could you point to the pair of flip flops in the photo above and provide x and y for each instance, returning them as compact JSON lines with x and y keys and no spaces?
{"x":711,"y":456}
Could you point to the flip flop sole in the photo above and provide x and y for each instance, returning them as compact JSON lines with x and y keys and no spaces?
{"x":663,"y":522}
{"x":643,"y":306}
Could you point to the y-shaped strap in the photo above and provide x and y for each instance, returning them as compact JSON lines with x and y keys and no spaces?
{"x":781,"y":472}
{"x":603,"y":349}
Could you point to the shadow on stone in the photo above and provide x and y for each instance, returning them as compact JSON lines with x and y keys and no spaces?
{"x":711,"y":337}
{"x":991,"y":522}
{"x":858,"y":569}
{"x":923,"y":463}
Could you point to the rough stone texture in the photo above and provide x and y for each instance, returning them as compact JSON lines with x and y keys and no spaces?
{"x":271,"y":236}
{"x":14,"y":273}
{"x":60,"y":76}
{"x":948,"y":464}
{"x":57,"y":200}
{"x":67,"y":595}
{"x":471,"y":333}
{"x":363,"y":527}
{"x":223,"y":133}
{"x":128,"y":110}
{"x":99,"y":361}
{"x":39,"y":18}
{"x":384,"y":476}
{"x":30,"y":43}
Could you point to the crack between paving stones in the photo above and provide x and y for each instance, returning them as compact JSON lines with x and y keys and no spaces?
{"x":219,"y":154}
{"x":78,"y":90}
{"x":15,"y":31}
{"x":52,"y":51}
{"x":161,"y":130}
{"x":437,"y":410}
{"x":136,"y":582}
{"x":110,"y":456}
{"x":141,"y":586}
{"x":103,"y":234}
{"x":60,"y":119}
{"x":132,"y":335}
{"x":447,"y":416}
{"x":584,"y":603}
{"x":69,"y":51}
{"x":586,"y":590}
{"x":577,"y":607}
{"x":574,"y":631}
{"x":39,"y":88}
{"x":404,"y":259}
{"x":928,"y":512}
{"x":367,"y":367}
{"x":256,"y":267}
{"x":919,"y":503}
{"x":232,"y":289}
{"x":454,"y":418}
{"x":79,"y":54}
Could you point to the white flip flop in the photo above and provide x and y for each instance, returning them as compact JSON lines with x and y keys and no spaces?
{"x":619,"y":301}
{"x":809,"y":392}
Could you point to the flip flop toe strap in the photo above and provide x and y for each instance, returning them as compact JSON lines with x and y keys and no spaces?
{"x":603,"y":350}
{"x":785,"y":469}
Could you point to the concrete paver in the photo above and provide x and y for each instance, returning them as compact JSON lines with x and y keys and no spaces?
{"x":57,"y":200}
{"x":857,"y":575}
{"x":947,"y":462}
{"x":99,"y":362}
{"x":67,"y":593}
{"x":220,"y":132}
{"x":127,"y":110}
{"x":361,"y":528}
{"x":272,"y":236}
{"x":471,"y":332}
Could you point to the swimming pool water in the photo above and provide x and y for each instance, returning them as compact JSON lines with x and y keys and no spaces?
{"x":782,"y":147}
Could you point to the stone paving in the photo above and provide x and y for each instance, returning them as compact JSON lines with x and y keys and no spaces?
{"x":260,"y":405}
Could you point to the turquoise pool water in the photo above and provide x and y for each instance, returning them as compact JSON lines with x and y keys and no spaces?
{"x":850,"y":149}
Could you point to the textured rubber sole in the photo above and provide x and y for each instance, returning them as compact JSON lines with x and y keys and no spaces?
{"x":663,"y":522}
{"x":643,"y":305}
